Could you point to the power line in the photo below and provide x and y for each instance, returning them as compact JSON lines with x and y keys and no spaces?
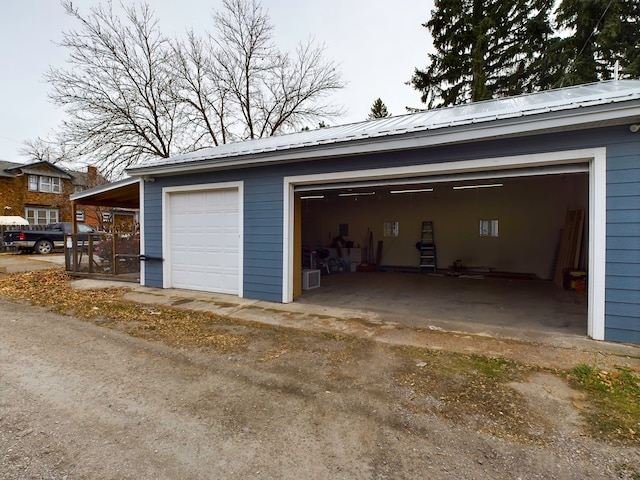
{"x":586,"y":42}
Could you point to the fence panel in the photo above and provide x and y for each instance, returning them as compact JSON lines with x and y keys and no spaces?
{"x":95,"y":255}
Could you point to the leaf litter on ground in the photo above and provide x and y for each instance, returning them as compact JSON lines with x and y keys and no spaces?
{"x":459,"y":386}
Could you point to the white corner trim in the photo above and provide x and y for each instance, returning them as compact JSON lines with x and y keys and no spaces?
{"x":597,"y":244}
{"x":288,"y":206}
{"x":166,"y":199}
{"x":596,"y":157}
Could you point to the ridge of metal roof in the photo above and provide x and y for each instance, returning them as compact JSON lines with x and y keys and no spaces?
{"x":475,"y":114}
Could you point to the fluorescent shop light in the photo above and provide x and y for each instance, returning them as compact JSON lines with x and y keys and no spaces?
{"x":355,"y":194}
{"x":415,"y":190}
{"x":490,"y":185}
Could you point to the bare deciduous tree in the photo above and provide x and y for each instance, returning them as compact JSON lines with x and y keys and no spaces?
{"x":117,"y":91}
{"x":131,"y":94}
{"x":248,"y":88}
{"x":202,"y":91}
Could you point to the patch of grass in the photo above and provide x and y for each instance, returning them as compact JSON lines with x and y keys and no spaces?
{"x":615,"y":396}
{"x":459,"y":387}
{"x":627,"y":471}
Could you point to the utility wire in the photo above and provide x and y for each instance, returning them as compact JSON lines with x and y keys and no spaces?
{"x":586,"y":42}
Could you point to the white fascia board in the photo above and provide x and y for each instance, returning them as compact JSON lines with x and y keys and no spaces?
{"x":560,"y":121}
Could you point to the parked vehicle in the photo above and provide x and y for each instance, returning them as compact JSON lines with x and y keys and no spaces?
{"x":44,"y":241}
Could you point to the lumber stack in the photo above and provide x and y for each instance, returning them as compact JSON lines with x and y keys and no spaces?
{"x":570,"y":245}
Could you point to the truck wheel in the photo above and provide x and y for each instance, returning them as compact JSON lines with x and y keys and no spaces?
{"x":43,"y":247}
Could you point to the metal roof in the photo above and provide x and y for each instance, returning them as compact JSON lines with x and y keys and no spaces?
{"x":437,"y":121}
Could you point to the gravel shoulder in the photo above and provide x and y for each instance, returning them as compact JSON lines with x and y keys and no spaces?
{"x":81,"y":401}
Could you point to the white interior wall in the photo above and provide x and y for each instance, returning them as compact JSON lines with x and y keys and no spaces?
{"x":531,"y":213}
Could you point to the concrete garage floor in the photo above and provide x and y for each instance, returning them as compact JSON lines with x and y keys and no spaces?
{"x":516,"y":308}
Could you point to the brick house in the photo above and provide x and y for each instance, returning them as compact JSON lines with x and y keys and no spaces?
{"x":40,"y":191}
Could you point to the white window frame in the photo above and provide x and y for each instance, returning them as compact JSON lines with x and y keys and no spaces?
{"x":34,"y":183}
{"x":45,"y":184}
{"x":56,"y":185}
{"x":48,"y":215}
{"x":488,"y":228}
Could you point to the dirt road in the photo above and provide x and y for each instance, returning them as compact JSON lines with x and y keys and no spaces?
{"x":80,"y":401}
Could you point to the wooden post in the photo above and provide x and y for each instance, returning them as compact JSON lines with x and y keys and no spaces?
{"x":90,"y":252}
{"x":74,"y":223}
{"x":114,"y":247}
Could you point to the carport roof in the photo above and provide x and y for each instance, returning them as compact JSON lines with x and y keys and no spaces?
{"x":565,"y":108}
{"x":124,"y":193}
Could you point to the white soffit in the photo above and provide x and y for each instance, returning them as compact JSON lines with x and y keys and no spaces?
{"x":559,"y":108}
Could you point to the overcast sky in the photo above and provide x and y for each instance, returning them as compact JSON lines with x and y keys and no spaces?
{"x":377,"y":44}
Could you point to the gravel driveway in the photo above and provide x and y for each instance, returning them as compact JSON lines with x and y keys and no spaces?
{"x":80,"y":401}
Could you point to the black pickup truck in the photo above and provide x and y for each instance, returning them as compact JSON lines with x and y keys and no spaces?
{"x":43,"y":241}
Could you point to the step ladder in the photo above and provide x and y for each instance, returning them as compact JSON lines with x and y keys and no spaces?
{"x":427,"y":248}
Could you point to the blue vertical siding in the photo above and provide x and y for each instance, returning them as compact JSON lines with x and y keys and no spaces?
{"x":263,"y":211}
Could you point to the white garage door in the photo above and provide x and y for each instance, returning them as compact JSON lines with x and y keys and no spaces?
{"x":204,"y":240}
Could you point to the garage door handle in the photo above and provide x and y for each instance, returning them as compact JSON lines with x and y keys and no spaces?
{"x":149,"y":258}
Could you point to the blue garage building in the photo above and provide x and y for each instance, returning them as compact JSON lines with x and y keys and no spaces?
{"x":525,"y":185}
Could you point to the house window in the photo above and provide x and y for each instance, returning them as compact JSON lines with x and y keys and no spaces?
{"x":79,"y":215}
{"x":34,"y":184}
{"x":41,"y":183}
{"x":41,"y":216}
{"x":488,"y":228}
{"x":391,"y":228}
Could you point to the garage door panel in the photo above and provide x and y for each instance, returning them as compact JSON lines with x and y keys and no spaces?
{"x":204,"y":239}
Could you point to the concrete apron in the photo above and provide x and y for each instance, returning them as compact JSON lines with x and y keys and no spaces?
{"x":369,"y":324}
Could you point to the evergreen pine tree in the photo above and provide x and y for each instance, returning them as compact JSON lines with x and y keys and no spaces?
{"x":484,"y":49}
{"x":602,"y":32}
{"x":378,"y":110}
